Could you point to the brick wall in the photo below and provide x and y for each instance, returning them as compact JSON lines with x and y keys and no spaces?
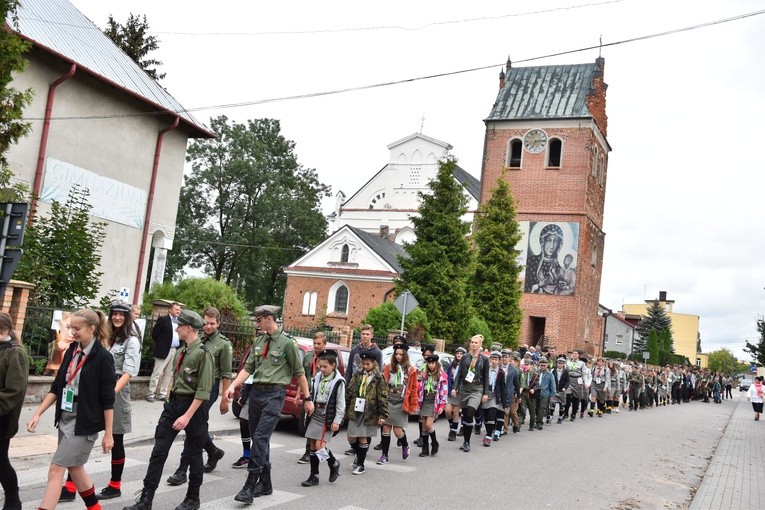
{"x":362,"y":295}
{"x":14,"y":302}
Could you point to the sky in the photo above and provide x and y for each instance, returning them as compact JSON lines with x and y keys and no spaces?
{"x":684,"y":210}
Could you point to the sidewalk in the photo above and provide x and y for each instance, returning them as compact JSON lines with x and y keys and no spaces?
{"x":735,"y":476}
{"x":145,"y":417}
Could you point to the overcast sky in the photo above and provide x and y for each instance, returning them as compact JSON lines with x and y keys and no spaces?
{"x":684,"y":208}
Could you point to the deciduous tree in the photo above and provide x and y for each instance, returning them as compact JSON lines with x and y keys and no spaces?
{"x":723,"y":360}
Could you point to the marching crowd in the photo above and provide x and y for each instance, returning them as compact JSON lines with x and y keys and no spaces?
{"x":481,"y":394}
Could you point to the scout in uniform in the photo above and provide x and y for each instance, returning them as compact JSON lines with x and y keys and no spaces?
{"x":222,"y":353}
{"x":472,"y":387}
{"x":185,"y":410}
{"x":601,"y":386}
{"x":366,"y":406}
{"x":274,"y":360}
{"x":576,"y":390}
{"x":311,"y":368}
{"x":636,"y":384}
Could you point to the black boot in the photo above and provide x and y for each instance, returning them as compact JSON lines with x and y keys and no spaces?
{"x":143,"y":502}
{"x":425,"y":447}
{"x":213,"y":459}
{"x":263,"y":487}
{"x":245,"y":495}
{"x":313,"y":478}
{"x":179,"y":477}
{"x":433,"y":444}
{"x":190,"y":503}
{"x":334,"y":470}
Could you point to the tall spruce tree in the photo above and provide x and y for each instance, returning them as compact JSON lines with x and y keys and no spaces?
{"x":758,"y":350}
{"x":655,"y":319}
{"x":438,"y":269}
{"x":653,"y":347}
{"x":496,"y":290}
{"x":134,"y":39}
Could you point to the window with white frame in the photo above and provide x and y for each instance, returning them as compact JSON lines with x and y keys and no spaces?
{"x":309,"y":303}
{"x":338,"y":298}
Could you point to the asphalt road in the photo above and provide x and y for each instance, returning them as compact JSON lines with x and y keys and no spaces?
{"x":633,"y":460}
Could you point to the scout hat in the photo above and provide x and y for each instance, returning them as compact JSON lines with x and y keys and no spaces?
{"x":264,"y":310}
{"x":431,"y":357}
{"x":368,"y":355}
{"x":191,"y":318}
{"x":495,"y":354}
{"x":119,"y":305}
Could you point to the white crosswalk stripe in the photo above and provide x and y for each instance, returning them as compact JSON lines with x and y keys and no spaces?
{"x":275,"y":499}
{"x":37,"y":476}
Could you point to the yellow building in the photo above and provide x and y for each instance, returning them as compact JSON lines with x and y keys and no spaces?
{"x":685,"y":327}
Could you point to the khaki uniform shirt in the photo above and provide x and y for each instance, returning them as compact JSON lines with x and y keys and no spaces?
{"x":223,"y":354}
{"x":193,"y":371}
{"x":274,"y":359}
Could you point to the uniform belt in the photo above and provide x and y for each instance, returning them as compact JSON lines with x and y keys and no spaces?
{"x":175,"y":396}
{"x":266,"y":386}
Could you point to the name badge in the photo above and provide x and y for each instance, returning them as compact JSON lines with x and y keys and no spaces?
{"x":598,"y":380}
{"x":579,"y":380}
{"x":469,"y":376}
{"x":361,"y":403}
{"x":67,"y":399}
{"x":322,"y":454}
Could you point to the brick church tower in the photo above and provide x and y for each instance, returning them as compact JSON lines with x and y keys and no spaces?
{"x":546,"y":135}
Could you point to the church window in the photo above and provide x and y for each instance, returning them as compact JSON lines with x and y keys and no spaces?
{"x":514,"y":153}
{"x":595,"y":162}
{"x":309,"y":303}
{"x":554,"y":152}
{"x":602,"y":171}
{"x":344,"y":253}
{"x":341,"y":299}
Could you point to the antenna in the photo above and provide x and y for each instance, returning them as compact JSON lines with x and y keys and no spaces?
{"x":422,"y":123}
{"x":600,"y":44}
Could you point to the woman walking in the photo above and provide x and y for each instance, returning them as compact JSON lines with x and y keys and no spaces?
{"x":755,"y":395}
{"x":14,"y":373}
{"x":401,"y":378}
{"x":83,"y":393}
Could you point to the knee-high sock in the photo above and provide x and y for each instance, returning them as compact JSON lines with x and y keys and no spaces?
{"x":385,"y":442}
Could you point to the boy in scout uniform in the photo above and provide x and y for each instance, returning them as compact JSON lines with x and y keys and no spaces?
{"x":274,"y":360}
{"x":185,"y":410}
{"x":223,"y":354}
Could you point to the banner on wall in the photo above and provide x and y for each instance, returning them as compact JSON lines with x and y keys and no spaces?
{"x":110,"y":199}
{"x":549,"y":252}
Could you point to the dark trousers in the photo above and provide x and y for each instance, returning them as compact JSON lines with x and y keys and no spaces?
{"x":8,"y":476}
{"x":531,"y":402}
{"x":207,"y":405}
{"x":634,"y":395}
{"x":265,"y":410}
{"x":165,"y":434}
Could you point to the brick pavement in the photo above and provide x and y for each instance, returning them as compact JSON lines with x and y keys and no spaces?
{"x":735,"y":477}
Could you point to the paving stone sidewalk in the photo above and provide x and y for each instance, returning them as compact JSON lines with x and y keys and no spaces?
{"x":735,"y":477}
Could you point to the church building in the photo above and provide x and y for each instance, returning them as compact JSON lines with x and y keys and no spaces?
{"x":546,"y":136}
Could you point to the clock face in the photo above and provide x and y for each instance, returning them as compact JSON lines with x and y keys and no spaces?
{"x":535,"y":141}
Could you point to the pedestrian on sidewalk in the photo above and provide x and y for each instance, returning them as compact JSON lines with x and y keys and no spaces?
{"x":185,"y":410}
{"x":755,"y":395}
{"x":83,"y":392}
{"x":166,"y":341}
{"x":14,"y":373}
{"x":222,"y":353}
{"x":125,"y":348}
{"x":328,"y":394}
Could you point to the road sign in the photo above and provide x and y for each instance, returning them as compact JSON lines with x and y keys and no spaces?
{"x":753,"y":369}
{"x":124,"y":293}
{"x":646,"y":354}
{"x":405,"y":303}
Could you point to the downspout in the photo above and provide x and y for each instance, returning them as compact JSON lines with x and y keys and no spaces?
{"x":37,"y":186}
{"x":150,"y":202}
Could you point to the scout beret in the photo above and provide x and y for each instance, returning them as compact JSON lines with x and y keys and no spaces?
{"x":431,"y":357}
{"x":368,"y":355}
{"x":264,"y":310}
{"x":401,"y":346}
{"x":495,"y":354}
{"x":191,"y":318}
{"x":428,"y":347}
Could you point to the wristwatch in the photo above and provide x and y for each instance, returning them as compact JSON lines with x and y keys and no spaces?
{"x":307,"y":399}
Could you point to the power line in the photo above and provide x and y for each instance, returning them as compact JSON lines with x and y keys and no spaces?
{"x":409,"y":80}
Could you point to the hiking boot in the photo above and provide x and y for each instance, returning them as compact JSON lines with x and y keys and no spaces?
{"x":212,"y":460}
{"x":312,"y":480}
{"x":245,"y":495}
{"x":190,"y":503}
{"x":334,"y":471}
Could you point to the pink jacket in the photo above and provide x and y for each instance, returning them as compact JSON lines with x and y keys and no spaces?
{"x":441,"y":391}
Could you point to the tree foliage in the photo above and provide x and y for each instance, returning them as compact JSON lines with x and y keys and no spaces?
{"x":758,"y":350}
{"x":62,"y":253}
{"x":386,"y":317}
{"x":438,"y":269}
{"x":723,"y":360}
{"x":12,"y":128}
{"x":197,"y":294}
{"x":247,"y":209}
{"x":134,"y":39}
{"x":655,"y":319}
{"x":653,"y":347}
{"x":496,"y":289}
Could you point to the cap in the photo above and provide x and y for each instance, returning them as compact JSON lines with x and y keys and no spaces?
{"x":427,"y":347}
{"x":506,"y":352}
{"x":264,"y":310}
{"x":119,"y":305}
{"x":368,"y":355}
{"x":561,"y":360}
{"x":191,"y":318}
{"x":431,"y":357}
{"x":401,"y":346}
{"x":399,"y":338}
{"x":543,"y":360}
{"x":495,"y":354}
{"x":460,"y":349}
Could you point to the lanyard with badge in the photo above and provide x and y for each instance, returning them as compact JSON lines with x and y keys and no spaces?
{"x":471,"y":369}
{"x":67,"y":400}
{"x":361,"y":401}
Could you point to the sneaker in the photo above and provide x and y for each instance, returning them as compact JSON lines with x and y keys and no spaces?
{"x":560,"y":420}
{"x":398,"y":441}
{"x":359,"y":470}
{"x":350,"y":451}
{"x":549,"y":420}
{"x":243,"y":462}
{"x":590,"y":413}
{"x":540,"y":427}
{"x":600,"y":414}
{"x":404,"y":452}
{"x":378,"y":447}
{"x":486,"y":441}
{"x":149,"y":398}
{"x":67,"y":495}
{"x":496,"y":436}
{"x":465,"y":447}
{"x":305,"y":459}
{"x":452,"y":435}
{"x":355,"y":463}
{"x":334,"y":471}
{"x":382,"y":460}
{"x":109,"y":493}
{"x":477,"y":429}
{"x":417,"y":442}
{"x":312,"y":481}
{"x":581,"y":414}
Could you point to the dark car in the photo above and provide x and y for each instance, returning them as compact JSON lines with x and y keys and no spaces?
{"x":292,"y":405}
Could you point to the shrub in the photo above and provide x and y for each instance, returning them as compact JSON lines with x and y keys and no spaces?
{"x":199,"y":293}
{"x":385,"y":317}
{"x":614,"y":355}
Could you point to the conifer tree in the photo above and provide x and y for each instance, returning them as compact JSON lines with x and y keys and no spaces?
{"x":655,"y":319}
{"x":758,"y":350}
{"x":496,"y":290}
{"x":653,"y":347}
{"x":438,"y":269}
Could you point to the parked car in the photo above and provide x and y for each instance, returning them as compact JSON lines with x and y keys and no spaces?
{"x":415,"y":357}
{"x":744,"y":383}
{"x":292,"y":405}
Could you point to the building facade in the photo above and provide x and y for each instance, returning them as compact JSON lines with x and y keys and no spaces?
{"x":546,"y":136}
{"x":99,"y":121}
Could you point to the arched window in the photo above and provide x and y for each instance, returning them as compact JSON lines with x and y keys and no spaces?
{"x":341,"y":299}
{"x":554,"y":152}
{"x":514,"y":153}
{"x":306,"y":303}
{"x":344,"y":253}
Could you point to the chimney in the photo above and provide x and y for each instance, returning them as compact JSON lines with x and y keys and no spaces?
{"x":663,"y":295}
{"x":384,"y":231}
{"x":501,"y":79}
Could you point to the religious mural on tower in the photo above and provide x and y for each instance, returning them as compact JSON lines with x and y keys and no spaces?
{"x":549,"y":252}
